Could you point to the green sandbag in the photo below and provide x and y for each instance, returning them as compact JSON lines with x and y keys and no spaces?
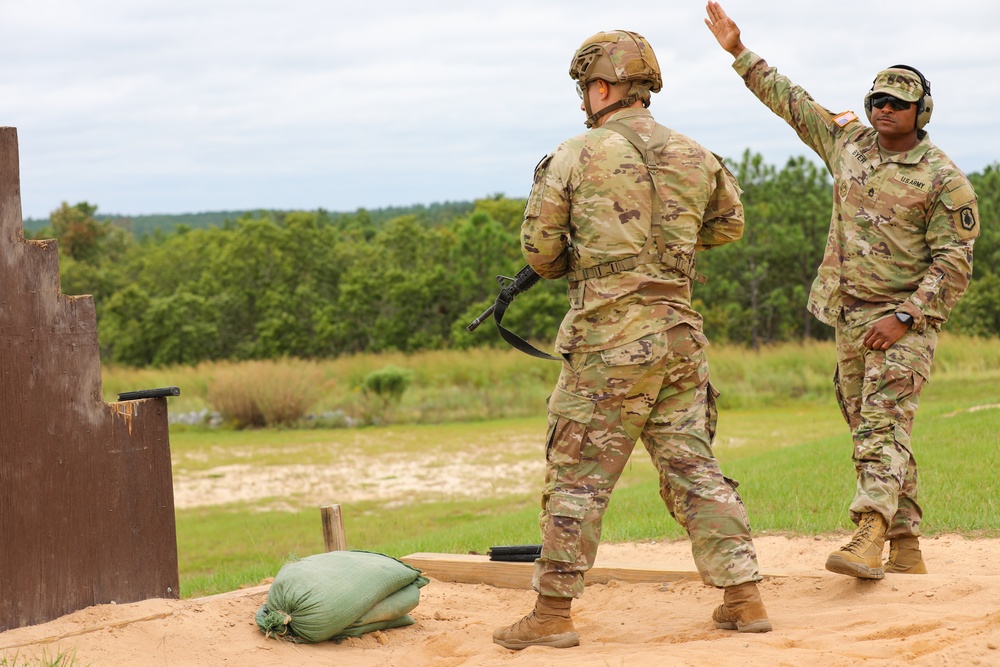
{"x":352,"y":631}
{"x":392,"y":612}
{"x":318,"y":597}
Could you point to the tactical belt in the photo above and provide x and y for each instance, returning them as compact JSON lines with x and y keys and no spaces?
{"x":683,"y":264}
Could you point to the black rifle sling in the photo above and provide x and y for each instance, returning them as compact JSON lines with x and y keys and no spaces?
{"x":515,"y":341}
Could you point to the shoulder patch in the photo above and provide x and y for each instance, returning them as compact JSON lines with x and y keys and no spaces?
{"x":844,"y":118}
{"x":533,"y":205}
{"x":729,"y":175}
{"x":968,"y":216}
{"x":543,"y":164}
{"x":960,"y":200}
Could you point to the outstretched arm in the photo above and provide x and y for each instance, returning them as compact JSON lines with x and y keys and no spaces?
{"x":724,"y":29}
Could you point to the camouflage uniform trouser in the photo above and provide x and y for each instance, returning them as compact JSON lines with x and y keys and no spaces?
{"x":878,"y":392}
{"x":656,"y":387}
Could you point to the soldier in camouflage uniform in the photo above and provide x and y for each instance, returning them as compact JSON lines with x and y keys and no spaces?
{"x":898,"y":259}
{"x":620,"y":212}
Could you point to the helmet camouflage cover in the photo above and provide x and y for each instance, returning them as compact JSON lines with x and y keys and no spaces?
{"x":617,"y":56}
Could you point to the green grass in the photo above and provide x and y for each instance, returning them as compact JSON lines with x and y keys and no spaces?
{"x":790,"y":485}
{"x":791,"y":452}
{"x":487,"y":384}
{"x":43,"y":659}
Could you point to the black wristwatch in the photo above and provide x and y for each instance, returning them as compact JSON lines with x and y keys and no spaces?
{"x":905,"y":318}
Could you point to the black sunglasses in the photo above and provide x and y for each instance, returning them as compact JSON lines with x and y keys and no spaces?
{"x":879,"y":101}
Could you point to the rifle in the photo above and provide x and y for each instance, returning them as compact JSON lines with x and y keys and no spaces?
{"x":525,"y":279}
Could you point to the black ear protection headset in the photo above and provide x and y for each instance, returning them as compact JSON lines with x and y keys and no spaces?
{"x":925,"y":105}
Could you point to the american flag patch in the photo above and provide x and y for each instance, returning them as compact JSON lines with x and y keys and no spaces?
{"x":845,"y":118}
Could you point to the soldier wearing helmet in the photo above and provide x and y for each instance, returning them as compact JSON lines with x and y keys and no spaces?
{"x":898,"y":259}
{"x":616,"y":57}
{"x":620,"y":212}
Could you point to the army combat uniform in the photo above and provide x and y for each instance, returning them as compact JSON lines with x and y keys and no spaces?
{"x":634,"y":359}
{"x":900,"y":241}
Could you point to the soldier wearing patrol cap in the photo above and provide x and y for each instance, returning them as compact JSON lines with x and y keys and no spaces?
{"x":898,"y":259}
{"x":620,"y":212}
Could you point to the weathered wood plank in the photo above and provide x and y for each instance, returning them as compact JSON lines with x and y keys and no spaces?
{"x":472,"y":569}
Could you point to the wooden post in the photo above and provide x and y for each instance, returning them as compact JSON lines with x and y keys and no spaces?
{"x":333,"y":528}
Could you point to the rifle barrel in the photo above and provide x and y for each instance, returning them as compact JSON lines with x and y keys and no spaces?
{"x":479,"y":320}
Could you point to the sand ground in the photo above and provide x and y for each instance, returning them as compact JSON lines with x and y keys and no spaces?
{"x":948,"y":617}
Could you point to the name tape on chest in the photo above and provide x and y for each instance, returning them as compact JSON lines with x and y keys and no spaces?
{"x":912,"y":183}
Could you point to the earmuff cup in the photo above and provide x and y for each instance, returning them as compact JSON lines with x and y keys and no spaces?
{"x":925,"y":105}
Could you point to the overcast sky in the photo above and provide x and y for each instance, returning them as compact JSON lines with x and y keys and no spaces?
{"x":183,"y":106}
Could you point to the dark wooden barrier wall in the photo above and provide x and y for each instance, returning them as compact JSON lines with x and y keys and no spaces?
{"x":86,"y":497}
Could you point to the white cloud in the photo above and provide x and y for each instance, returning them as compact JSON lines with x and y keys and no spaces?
{"x":182,"y":106}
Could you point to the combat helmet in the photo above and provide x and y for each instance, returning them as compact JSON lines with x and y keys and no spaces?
{"x":617,"y":56}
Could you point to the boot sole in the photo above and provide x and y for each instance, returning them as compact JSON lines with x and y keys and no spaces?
{"x":564,"y":640}
{"x":761,"y":625}
{"x":840,"y":565}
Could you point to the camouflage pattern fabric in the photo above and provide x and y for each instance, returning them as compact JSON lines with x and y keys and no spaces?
{"x":903,"y":225}
{"x":634,"y":352}
{"x":898,"y":82}
{"x":616,"y":56}
{"x":878,"y":392}
{"x":901,"y":239}
{"x":591,"y":203}
{"x":656,"y":387}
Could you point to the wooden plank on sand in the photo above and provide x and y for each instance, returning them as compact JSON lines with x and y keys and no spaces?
{"x":472,"y":569}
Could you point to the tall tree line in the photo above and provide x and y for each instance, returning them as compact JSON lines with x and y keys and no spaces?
{"x":313,"y":284}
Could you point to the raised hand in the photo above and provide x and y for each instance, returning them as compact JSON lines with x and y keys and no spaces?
{"x":725,"y":30}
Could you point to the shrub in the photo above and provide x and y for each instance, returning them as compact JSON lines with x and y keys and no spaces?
{"x":265,"y":393}
{"x":384,"y":389}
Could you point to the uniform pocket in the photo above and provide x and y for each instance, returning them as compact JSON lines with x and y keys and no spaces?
{"x":899,"y":355}
{"x":712,"y":411}
{"x":630,"y":354}
{"x":840,"y":395}
{"x":533,"y":205}
{"x":733,"y":485}
{"x":569,"y":419}
{"x":561,"y":541}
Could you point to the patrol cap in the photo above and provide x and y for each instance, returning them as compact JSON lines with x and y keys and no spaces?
{"x":898,"y":82}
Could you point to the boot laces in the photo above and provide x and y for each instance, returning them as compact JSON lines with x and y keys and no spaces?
{"x":861,"y":536}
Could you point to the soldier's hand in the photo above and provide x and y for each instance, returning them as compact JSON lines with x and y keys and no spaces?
{"x":725,"y":31}
{"x":885,"y":332}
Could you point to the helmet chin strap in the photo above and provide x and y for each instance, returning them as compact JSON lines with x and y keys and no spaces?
{"x":592,"y":118}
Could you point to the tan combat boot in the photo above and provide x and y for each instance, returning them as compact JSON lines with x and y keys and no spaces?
{"x":742,"y":610}
{"x":905,"y":557}
{"x":548,"y":625}
{"x":862,"y":556}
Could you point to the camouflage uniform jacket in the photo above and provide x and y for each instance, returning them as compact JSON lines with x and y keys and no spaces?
{"x":591,"y":203}
{"x":903,"y":225}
